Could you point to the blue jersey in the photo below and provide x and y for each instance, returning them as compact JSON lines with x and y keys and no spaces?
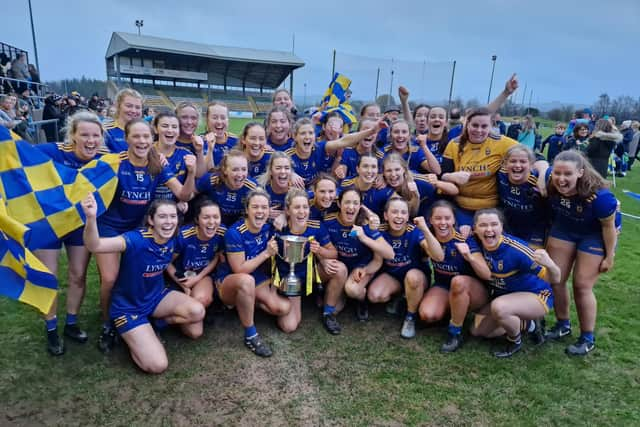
{"x":277,"y":199}
{"x":414,"y":156}
{"x":583,"y":215}
{"x":453,"y":264}
{"x":136,"y":187}
{"x":434,"y":148}
{"x":258,"y":167}
{"x":525,"y":210}
{"x":231,"y":201}
{"x":351,"y":157}
{"x":309,"y":168}
{"x":373,"y":198}
{"x":406,"y":248}
{"x":284,"y":147}
{"x":140,"y":278}
{"x":428,"y":194}
{"x":114,"y":138}
{"x":64,"y":154}
{"x":220,"y":148}
{"x":239,"y":239}
{"x":320,"y":214}
{"x":179,"y":169}
{"x":351,"y":251}
{"x":195,"y":254}
{"x":313,"y":229}
{"x":513,"y":268}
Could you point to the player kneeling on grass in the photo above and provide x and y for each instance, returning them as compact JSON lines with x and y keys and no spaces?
{"x":407,"y":271}
{"x":520,"y":292}
{"x":139,"y":292}
{"x":453,"y":268}
{"x":198,"y":251}
{"x":331,"y":272}
{"x":244,"y":279}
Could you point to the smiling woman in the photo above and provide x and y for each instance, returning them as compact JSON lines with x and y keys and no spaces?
{"x":139,"y":175}
{"x":139,"y":292}
{"x":473,"y":162}
{"x":82,"y":144}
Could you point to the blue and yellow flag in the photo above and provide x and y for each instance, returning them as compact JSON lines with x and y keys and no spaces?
{"x":336,"y":92}
{"x":24,"y":277}
{"x":335,"y":99}
{"x":45,"y":196}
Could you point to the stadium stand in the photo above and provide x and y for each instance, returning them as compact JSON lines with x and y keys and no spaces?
{"x":169,"y":71}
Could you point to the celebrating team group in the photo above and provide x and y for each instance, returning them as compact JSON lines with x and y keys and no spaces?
{"x":393,"y":212}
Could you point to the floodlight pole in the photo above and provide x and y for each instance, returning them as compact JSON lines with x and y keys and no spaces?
{"x":377,"y":83}
{"x":305,"y":96}
{"x":493,"y":69}
{"x":33,"y":35}
{"x":293,"y":48}
{"x":453,"y":73}
{"x":333,"y":66}
{"x":139,"y":24}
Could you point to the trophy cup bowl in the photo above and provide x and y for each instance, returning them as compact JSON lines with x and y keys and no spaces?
{"x":293,"y":253}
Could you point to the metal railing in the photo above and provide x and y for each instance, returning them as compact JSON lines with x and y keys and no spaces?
{"x":37,"y":137}
{"x":42,"y":86}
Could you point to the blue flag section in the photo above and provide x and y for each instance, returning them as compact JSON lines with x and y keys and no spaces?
{"x":336,"y":92}
{"x":335,"y":99}
{"x":24,"y":277}
{"x":45,"y":196}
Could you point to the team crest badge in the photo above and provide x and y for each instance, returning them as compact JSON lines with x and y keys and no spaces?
{"x":579,"y":208}
{"x":500,"y":265}
{"x":487,"y":152}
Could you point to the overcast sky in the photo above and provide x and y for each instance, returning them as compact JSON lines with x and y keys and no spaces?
{"x":568,"y":51}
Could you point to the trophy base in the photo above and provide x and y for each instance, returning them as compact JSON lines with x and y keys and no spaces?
{"x":290,"y":288}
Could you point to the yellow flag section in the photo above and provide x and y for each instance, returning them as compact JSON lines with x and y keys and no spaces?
{"x":24,"y":277}
{"x":45,"y":196}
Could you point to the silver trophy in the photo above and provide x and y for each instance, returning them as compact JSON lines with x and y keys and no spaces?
{"x":293,"y":253}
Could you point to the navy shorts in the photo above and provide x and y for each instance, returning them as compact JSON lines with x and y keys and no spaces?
{"x":591,"y":243}
{"x":72,"y":239}
{"x":126,"y":321}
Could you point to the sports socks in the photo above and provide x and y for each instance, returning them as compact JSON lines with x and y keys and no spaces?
{"x":250,"y":332}
{"x":328,"y":309}
{"x":52,"y":324}
{"x":454,"y":329}
{"x":72,"y":319}
{"x":588,"y":336}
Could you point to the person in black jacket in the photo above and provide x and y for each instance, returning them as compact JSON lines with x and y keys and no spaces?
{"x":52,"y":111}
{"x":601,"y":144}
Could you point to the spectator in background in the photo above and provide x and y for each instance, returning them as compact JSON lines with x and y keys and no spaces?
{"x":20,"y":71}
{"x":283,"y":98}
{"x":556,"y":141}
{"x":52,"y":104}
{"x":514,"y":128}
{"x":580,"y":138}
{"x":633,"y":146}
{"x":499,"y":128}
{"x":601,"y":144}
{"x":580,"y":117}
{"x":622,"y":148}
{"x":8,"y":112}
{"x":528,"y":134}
{"x":103,"y":114}
{"x":149,"y":113}
{"x":35,"y":78}
{"x":94,"y":102}
{"x":391,"y":114}
{"x":455,"y":123}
